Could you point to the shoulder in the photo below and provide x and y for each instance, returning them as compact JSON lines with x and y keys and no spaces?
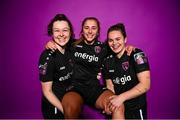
{"x":77,"y":43}
{"x":109,"y":58}
{"x":46,"y":55}
{"x":99,"y":43}
{"x":139,"y":56}
{"x":137,"y":52}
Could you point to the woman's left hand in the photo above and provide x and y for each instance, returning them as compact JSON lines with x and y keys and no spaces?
{"x":116,"y":102}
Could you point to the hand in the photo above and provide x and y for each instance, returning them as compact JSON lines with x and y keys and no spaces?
{"x":106,"y":109}
{"x":106,"y":106}
{"x":116,"y":102}
{"x":129,"y":49}
{"x":51,"y":45}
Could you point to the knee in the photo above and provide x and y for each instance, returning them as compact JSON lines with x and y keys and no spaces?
{"x":119,"y":113}
{"x":72,"y":107}
{"x":72,"y":110}
{"x":121,"y":109}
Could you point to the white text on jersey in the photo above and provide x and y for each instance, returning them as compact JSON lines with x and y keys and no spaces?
{"x":90,"y":58}
{"x":65,"y":77}
{"x":123,"y":80}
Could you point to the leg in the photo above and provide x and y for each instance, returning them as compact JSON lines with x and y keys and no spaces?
{"x":138,"y":114}
{"x":48,"y":110}
{"x":72,"y":104}
{"x":119,"y":114}
{"x":102,"y":103}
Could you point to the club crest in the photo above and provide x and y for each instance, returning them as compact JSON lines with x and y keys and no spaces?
{"x":125,"y":65}
{"x":97,"y":49}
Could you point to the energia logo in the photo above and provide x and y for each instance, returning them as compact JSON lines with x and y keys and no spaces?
{"x":90,"y":58}
{"x":122,"y":80}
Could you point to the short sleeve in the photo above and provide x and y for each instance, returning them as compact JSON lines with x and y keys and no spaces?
{"x":46,"y":66}
{"x":140,"y":61}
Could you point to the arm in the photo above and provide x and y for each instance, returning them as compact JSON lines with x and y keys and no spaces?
{"x":142,"y":87}
{"x":110,"y":85}
{"x":51,"y":45}
{"x":48,"y":93}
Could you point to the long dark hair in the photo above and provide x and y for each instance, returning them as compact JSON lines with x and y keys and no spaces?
{"x":61,"y":17}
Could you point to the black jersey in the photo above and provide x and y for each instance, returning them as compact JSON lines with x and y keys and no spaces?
{"x":56,"y":67}
{"x":87,"y":62}
{"x":123,"y":73}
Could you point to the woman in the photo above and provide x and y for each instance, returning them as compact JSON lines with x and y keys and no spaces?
{"x":55,"y":68}
{"x":88,"y":55}
{"x":128,"y":76}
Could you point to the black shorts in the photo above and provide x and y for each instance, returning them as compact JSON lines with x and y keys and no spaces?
{"x":49,"y":111}
{"x":139,"y":113}
{"x":90,"y":93}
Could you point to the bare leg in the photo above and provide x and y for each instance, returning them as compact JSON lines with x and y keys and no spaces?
{"x":119,"y":114}
{"x":72,"y":104}
{"x":102,"y":103}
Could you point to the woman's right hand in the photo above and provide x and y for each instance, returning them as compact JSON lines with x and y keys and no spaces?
{"x":51,"y":45}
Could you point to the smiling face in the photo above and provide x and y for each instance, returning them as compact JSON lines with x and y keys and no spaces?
{"x":116,"y":41}
{"x":90,"y":30}
{"x":61,"y":32}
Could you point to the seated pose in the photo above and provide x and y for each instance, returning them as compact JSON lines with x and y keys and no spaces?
{"x":88,"y":54}
{"x":128,"y":76}
{"x":55,"y":68}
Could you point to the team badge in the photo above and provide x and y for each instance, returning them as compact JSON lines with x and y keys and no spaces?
{"x":42,"y":69}
{"x":125,"y":65}
{"x":140,"y":58}
{"x":97,"y":49}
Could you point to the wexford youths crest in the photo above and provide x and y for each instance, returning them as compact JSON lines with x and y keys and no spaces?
{"x":125,"y":65}
{"x":97,"y":49}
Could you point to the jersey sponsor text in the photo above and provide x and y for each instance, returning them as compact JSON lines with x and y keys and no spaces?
{"x":65,"y":77}
{"x":90,"y":58}
{"x":122,"y":80}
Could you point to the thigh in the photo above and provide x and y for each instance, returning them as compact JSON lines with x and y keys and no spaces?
{"x":72,"y":99}
{"x":103,"y":99}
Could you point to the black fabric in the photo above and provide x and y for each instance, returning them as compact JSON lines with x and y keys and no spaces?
{"x":89,"y":93}
{"x":87,"y":64}
{"x":138,"y":114}
{"x":48,"y":110}
{"x":123,"y":73}
{"x":57,"y":68}
{"x":88,"y":61}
